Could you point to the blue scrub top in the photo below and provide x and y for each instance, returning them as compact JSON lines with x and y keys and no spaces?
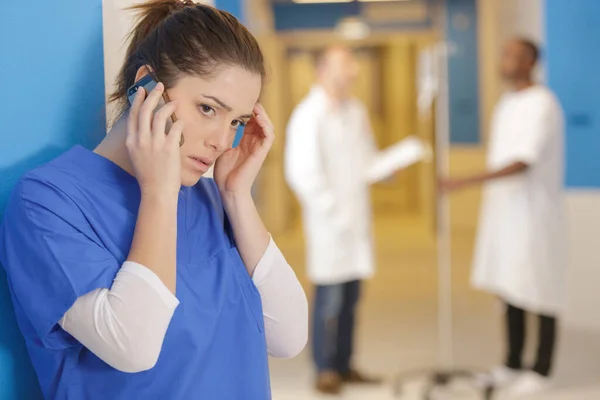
{"x":68,"y":228}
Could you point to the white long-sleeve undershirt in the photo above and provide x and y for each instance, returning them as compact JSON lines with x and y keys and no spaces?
{"x":125,"y":325}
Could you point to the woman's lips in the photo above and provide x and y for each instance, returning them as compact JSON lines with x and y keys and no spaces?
{"x":201,"y":164}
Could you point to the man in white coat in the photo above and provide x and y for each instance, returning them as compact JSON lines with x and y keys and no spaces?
{"x":520,"y":252}
{"x":329,"y":148}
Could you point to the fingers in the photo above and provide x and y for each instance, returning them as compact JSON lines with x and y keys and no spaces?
{"x":159,"y":123}
{"x":132,"y":121}
{"x":259,"y":110}
{"x":174,"y":138}
{"x":263,"y":120}
{"x":145,"y":113}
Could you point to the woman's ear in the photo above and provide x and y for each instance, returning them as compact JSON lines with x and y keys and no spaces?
{"x":142,"y":72}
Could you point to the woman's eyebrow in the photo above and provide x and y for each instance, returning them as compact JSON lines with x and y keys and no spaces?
{"x":225,"y":106}
{"x":219,"y":102}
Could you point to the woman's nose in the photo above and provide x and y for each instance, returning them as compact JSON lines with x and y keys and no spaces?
{"x":219,"y":139}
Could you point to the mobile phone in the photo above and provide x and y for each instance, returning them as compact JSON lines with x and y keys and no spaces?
{"x":148,"y":83}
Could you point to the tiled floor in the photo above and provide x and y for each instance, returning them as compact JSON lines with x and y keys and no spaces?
{"x":397,"y":331}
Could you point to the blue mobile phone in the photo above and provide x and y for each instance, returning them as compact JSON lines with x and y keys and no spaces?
{"x":148,"y":83}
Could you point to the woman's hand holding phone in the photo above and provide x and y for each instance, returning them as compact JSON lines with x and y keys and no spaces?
{"x":154,"y":154}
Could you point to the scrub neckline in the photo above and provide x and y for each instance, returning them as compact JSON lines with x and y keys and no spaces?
{"x":101,"y":167}
{"x":98,"y":166}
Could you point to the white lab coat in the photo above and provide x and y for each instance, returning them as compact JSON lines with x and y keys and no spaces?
{"x":520,"y":252}
{"x":328,"y":152}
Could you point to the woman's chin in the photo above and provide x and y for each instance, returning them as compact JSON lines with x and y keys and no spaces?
{"x":189,"y":179}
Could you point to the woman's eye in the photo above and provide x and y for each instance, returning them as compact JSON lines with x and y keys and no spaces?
{"x":207,"y":110}
{"x":237,"y":124}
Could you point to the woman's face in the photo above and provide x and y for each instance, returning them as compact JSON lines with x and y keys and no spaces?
{"x":213,"y":109}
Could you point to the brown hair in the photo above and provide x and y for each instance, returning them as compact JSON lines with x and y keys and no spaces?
{"x":175,"y":37}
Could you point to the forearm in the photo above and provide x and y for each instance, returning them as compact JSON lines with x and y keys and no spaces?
{"x":251,"y":235}
{"x":306,"y":176}
{"x":510,"y":170}
{"x":305,"y":171}
{"x":125,"y":325}
{"x":285,"y":308}
{"x":154,"y":242}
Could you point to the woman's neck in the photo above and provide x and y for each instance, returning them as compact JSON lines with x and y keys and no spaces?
{"x":113,"y":146}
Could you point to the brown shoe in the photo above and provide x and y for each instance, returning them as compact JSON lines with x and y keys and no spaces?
{"x":356,"y":377}
{"x":329,"y":382}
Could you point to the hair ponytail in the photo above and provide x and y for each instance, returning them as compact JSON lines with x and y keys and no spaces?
{"x":150,"y":16}
{"x":175,"y":37}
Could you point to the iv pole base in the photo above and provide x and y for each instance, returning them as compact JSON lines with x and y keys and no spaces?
{"x":441,"y":378}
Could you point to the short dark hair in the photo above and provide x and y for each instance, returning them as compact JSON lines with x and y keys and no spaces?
{"x":532,"y":48}
{"x":175,"y":37}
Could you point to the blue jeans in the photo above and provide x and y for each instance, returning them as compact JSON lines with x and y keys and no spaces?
{"x":333,"y":325}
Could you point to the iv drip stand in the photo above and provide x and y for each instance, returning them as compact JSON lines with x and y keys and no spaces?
{"x":447,"y":372}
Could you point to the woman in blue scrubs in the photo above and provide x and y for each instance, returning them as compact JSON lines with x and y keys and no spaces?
{"x":134,"y":277}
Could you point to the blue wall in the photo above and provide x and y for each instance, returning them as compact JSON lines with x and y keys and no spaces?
{"x":304,"y":16}
{"x":463,"y":73}
{"x":572,"y":60}
{"x":52,"y":72}
{"x":292,"y":16}
{"x":235,"y":7}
